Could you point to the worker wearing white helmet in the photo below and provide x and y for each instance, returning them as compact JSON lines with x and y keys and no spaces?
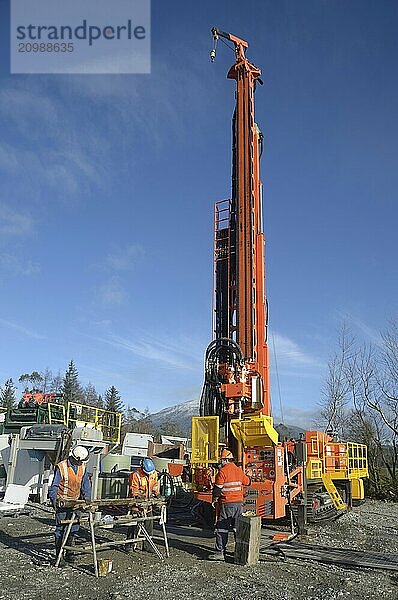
{"x":70,"y":482}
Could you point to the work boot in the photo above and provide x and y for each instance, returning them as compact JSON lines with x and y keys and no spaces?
{"x":216,"y":556}
{"x":58,"y":543}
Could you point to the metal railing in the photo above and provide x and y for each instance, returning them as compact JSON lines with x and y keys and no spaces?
{"x":56,"y":413}
{"x":109,"y":422}
{"x":346,"y":460}
{"x":339,"y":460}
{"x":357,"y":460}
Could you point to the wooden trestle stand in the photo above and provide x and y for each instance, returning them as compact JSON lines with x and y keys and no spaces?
{"x":134,"y":512}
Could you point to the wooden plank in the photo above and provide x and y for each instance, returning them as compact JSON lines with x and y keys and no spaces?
{"x":119,"y":502}
{"x":248,"y":534}
{"x":93,"y":545}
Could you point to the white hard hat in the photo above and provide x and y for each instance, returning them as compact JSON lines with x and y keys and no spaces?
{"x":79,"y":453}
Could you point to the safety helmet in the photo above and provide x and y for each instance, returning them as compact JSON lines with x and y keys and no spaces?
{"x":79,"y":453}
{"x":147,"y":465}
{"x":226,"y":455}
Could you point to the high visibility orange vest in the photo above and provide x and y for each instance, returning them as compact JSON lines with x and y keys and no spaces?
{"x":142,"y":484}
{"x":231,"y":480}
{"x":71,"y":482}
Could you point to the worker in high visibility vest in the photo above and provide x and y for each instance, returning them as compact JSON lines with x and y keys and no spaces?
{"x":70,"y":482}
{"x":228,"y":495}
{"x":144,"y":484}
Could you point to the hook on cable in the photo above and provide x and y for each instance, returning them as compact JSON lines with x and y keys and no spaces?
{"x":215,"y":41}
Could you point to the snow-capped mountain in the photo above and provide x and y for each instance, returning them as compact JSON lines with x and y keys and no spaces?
{"x":134,"y":413}
{"x":180,"y":415}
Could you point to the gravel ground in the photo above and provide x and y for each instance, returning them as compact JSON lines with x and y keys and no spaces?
{"x":26,"y":544}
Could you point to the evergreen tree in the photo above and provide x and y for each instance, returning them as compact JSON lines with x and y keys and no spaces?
{"x":71,"y":388}
{"x":113,"y":400}
{"x":7,"y":394}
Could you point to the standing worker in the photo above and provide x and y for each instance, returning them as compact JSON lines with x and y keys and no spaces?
{"x":228,"y":494}
{"x":70,"y":482}
{"x":144,"y":484}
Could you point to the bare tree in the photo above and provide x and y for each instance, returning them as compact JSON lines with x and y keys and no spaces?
{"x":90,"y":395}
{"x":360,"y":400}
{"x":335,"y":392}
{"x":47,"y":378}
{"x":57,"y":383}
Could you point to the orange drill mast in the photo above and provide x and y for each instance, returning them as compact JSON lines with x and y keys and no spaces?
{"x":315,"y":472}
{"x":237,"y":364}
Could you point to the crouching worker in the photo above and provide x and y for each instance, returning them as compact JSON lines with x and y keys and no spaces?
{"x":70,"y":482}
{"x":144,"y":484}
{"x":228,"y":494}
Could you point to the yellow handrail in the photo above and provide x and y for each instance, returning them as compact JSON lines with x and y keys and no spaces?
{"x":109,"y":422}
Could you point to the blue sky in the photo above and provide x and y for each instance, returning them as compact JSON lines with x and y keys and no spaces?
{"x":107,"y":186}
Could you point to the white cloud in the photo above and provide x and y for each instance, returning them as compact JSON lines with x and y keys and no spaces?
{"x":368,"y":332}
{"x":13,"y":222}
{"x":18,"y":266}
{"x":26,"y":107}
{"x":74,"y":149}
{"x":124,"y":259}
{"x":69,"y":155}
{"x":102,"y":323}
{"x":112,"y":293}
{"x":134,"y":95}
{"x":167,"y":351}
{"x":8,"y":158}
{"x":102,"y":376}
{"x":170,"y":352}
{"x":289,"y":353}
{"x":22,"y":329}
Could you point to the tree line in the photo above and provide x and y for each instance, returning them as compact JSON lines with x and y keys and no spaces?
{"x":68,"y":385}
{"x":71,"y":389}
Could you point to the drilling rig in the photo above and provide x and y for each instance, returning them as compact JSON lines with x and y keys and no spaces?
{"x":316,"y":476}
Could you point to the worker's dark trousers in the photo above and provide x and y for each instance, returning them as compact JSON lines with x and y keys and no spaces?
{"x":64,"y":514}
{"x":148,"y":525}
{"x":227,"y":521}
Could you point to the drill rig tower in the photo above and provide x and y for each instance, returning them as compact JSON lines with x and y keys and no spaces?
{"x":237,"y":363}
{"x":317,"y":472}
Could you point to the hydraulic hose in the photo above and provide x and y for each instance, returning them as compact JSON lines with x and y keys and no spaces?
{"x":219,"y":351}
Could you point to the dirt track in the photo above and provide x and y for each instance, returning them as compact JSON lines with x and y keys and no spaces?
{"x":26,"y":544}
